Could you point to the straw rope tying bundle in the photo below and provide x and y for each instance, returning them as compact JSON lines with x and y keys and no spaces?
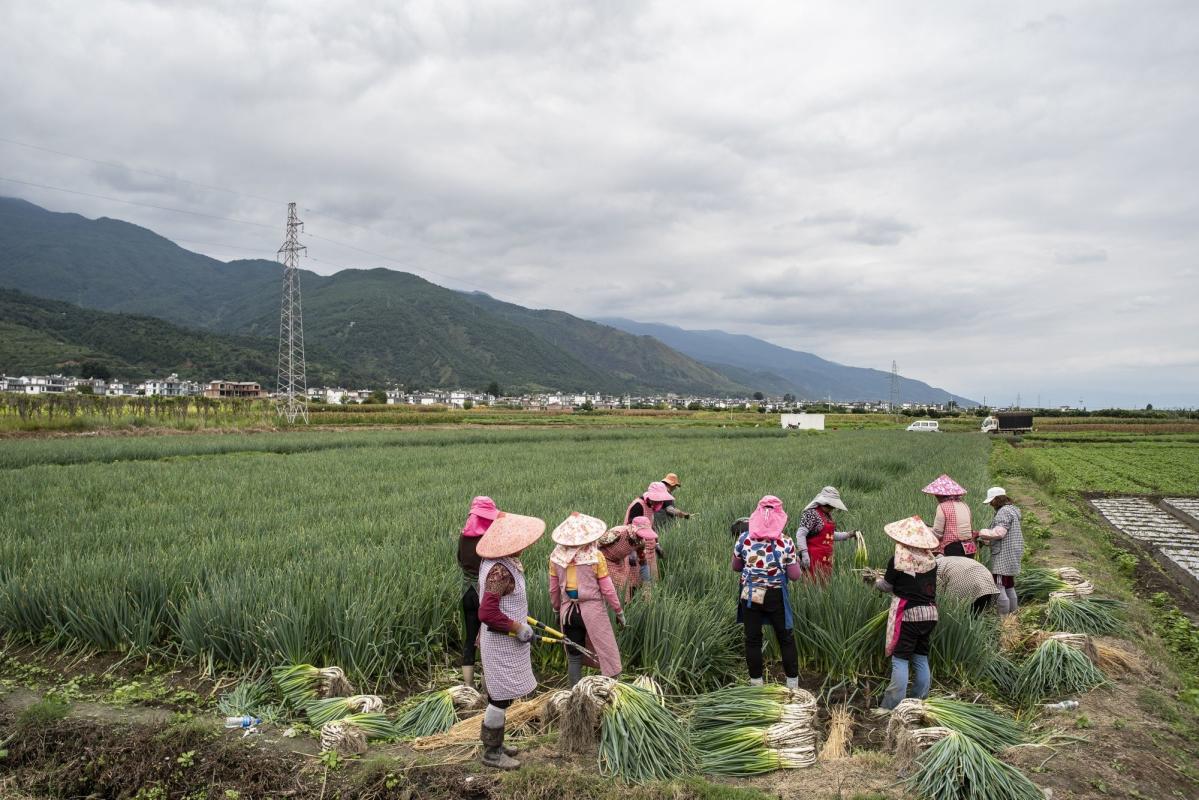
{"x":840,"y":735}
{"x":344,"y":739}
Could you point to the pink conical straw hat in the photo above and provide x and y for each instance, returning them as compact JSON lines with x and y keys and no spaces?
{"x":578,"y":530}
{"x":945,"y":486}
{"x":509,"y":534}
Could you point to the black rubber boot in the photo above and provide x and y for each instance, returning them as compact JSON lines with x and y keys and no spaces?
{"x":494,"y":752}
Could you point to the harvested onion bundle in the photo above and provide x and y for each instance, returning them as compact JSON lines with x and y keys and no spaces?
{"x":334,"y":708}
{"x":987,"y":727}
{"x":1095,"y":615}
{"x":739,"y":706}
{"x":300,"y":684}
{"x":861,"y":556}
{"x":640,"y":740}
{"x":435,"y":712}
{"x":1056,"y":669}
{"x":755,"y":750}
{"x":958,"y":768}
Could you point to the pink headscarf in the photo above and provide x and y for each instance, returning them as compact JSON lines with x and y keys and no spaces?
{"x":658,"y":493}
{"x":645,"y":529}
{"x":768,"y":519}
{"x":483,"y":512}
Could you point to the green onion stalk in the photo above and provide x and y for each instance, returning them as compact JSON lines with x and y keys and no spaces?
{"x":739,"y":706}
{"x":371,"y":723}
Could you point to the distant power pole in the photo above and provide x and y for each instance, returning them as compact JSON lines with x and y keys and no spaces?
{"x":895,"y":390}
{"x":292,"y":399}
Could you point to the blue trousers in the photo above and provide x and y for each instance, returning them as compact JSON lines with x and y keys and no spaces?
{"x":898,"y":689}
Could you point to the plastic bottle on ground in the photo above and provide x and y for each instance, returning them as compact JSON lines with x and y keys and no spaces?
{"x":245,"y":721}
{"x":1065,"y":705}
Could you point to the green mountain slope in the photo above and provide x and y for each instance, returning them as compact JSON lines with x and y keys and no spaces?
{"x":40,"y":336}
{"x":370,"y":325}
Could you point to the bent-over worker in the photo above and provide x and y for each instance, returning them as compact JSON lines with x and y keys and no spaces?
{"x":966,"y":579}
{"x":666,"y":516}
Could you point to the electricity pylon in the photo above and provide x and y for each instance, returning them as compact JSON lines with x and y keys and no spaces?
{"x":292,"y":397}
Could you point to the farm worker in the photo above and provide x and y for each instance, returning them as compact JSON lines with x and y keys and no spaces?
{"x":503,"y":610}
{"x":1007,"y":546}
{"x":952,"y":523}
{"x":482,"y":512}
{"x":666,"y":516}
{"x":617,"y":545}
{"x":911,"y":579}
{"x":653,"y":500}
{"x":579,"y":588}
{"x":817,"y":532}
{"x":766,"y":559}
{"x":966,"y":579}
{"x":647,"y":551}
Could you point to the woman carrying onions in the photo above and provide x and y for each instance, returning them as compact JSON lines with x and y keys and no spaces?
{"x":482,"y":513}
{"x":953,"y":524}
{"x":579,"y":589}
{"x":766,"y":559}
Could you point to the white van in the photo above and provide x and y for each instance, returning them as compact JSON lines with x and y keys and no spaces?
{"x":925,"y":425}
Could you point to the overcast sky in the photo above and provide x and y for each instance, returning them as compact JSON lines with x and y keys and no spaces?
{"x":1002,"y":197}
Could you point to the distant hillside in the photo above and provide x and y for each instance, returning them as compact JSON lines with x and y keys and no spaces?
{"x":627,"y":356}
{"x":372,"y":325}
{"x":808,"y":376}
{"x":39,"y":336}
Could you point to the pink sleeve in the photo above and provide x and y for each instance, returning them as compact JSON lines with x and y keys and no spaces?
{"x":555,"y":595}
{"x":738,"y":563}
{"x":609,"y":593}
{"x":793,"y":572}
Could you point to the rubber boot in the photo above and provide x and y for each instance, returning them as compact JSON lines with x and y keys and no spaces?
{"x":468,"y":676}
{"x":574,"y":669}
{"x":494,"y":754}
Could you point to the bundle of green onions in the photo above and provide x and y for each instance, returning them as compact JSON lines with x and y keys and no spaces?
{"x":739,"y":706}
{"x":987,"y":727}
{"x":434,"y":712}
{"x":349,"y":734}
{"x":334,"y":708}
{"x":1095,"y":615}
{"x":300,"y":684}
{"x":650,"y":685}
{"x":755,"y":750}
{"x":1056,"y":669}
{"x":958,"y":768}
{"x":1037,"y":583}
{"x":640,"y":740}
{"x":861,"y":556}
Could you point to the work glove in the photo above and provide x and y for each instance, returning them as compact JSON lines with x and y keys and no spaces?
{"x":805,"y":560}
{"x":524,"y":633}
{"x":620,"y":620}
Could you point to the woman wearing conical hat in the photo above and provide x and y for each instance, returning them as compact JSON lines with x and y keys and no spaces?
{"x":953,"y":524}
{"x":911,"y":580}
{"x":579,"y":590}
{"x":818,"y":533}
{"x":506,"y":635}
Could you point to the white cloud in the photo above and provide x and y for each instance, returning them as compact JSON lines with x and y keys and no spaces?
{"x":996,"y":196}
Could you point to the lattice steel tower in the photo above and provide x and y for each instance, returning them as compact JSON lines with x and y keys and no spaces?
{"x":292,"y":398}
{"x":894,"y":390}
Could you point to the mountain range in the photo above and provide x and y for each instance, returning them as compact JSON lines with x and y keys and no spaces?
{"x":139,"y":303}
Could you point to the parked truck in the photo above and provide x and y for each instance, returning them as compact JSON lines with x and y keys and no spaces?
{"x":1008,"y":422}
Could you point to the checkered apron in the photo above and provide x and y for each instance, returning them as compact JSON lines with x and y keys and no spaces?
{"x":506,"y":660}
